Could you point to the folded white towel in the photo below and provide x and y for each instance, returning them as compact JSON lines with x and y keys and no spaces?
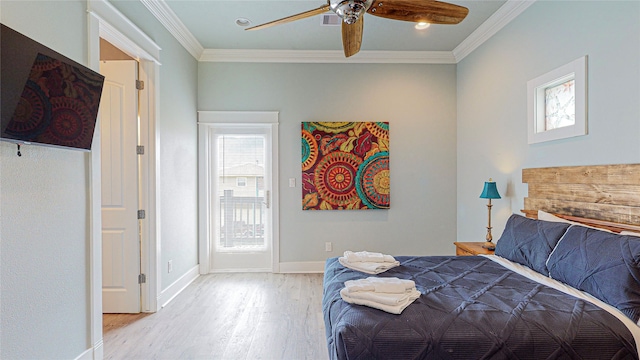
{"x":411,"y":296}
{"x":391,"y":285}
{"x":368,"y":267}
{"x":380,"y":298}
{"x":365,"y":256}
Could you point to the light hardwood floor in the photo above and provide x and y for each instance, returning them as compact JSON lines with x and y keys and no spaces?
{"x":227,"y":316}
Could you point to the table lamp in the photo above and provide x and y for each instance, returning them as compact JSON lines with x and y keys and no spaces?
{"x":489,"y":192}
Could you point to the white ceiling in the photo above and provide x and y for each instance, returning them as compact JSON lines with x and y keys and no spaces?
{"x":209,"y":26}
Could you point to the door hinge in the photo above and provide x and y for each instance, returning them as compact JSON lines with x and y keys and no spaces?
{"x":141,"y":214}
{"x":139,"y":85}
{"x":142,"y":279}
{"x":140,"y":149}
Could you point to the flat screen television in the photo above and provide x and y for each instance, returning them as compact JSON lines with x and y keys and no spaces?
{"x":46,"y":98}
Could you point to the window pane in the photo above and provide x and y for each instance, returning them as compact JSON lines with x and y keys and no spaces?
{"x":241,"y":161}
{"x":560,"y":105}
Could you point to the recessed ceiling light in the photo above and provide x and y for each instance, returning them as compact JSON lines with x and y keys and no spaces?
{"x":243,"y":22}
{"x":422,"y":25}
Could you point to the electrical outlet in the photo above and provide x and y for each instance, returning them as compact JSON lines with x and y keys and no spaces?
{"x":170,"y":266}
{"x":292,"y":182}
{"x":328,"y":246}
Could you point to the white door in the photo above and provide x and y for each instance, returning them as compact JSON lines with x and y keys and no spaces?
{"x":120,"y":224}
{"x":240,"y":181}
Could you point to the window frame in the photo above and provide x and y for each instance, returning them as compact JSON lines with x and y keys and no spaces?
{"x":244,"y":179}
{"x":575,"y":70}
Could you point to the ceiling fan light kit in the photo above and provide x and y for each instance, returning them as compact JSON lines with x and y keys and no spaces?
{"x":352,"y":14}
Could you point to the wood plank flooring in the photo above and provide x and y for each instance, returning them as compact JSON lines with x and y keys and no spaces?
{"x":227,"y":316}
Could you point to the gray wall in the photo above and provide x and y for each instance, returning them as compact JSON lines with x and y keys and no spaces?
{"x":492,"y":103}
{"x":44,"y":209}
{"x":44,"y":303}
{"x":178,"y":141}
{"x":419,"y":103}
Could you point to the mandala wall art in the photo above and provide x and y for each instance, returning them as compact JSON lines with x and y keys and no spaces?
{"x":345,"y":165}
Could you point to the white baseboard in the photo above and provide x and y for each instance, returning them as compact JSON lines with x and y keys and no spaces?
{"x":239,"y":270}
{"x":86,"y":355}
{"x":94,"y":353}
{"x":176,"y":288}
{"x":306,"y":267}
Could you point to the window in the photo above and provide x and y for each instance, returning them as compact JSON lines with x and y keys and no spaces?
{"x":241,"y":181}
{"x":557,"y":107}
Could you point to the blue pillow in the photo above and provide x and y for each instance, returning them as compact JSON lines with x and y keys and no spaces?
{"x":529,"y":242}
{"x":606,"y":265}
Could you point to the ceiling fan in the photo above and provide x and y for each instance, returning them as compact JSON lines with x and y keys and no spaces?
{"x":352,"y":11}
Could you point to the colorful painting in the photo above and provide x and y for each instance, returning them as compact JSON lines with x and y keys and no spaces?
{"x":345,"y":165}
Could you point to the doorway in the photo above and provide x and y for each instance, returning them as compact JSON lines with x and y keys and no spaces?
{"x":105,"y":22}
{"x":128,"y":276}
{"x":238,"y":179}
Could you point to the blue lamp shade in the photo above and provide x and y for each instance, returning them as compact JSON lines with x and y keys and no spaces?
{"x":490,"y":191}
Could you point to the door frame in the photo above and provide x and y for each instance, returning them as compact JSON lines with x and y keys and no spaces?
{"x":105,"y":21}
{"x":205,"y":119}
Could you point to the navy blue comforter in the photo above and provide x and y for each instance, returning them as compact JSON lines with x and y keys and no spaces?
{"x":470,"y":308}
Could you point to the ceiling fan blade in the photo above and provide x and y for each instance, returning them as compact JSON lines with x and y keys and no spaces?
{"x":352,"y":36}
{"x":322,"y":9}
{"x":431,"y":11}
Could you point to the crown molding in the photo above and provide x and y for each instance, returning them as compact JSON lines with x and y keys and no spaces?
{"x":174,"y":25}
{"x":503,"y":16}
{"x":327,"y":56}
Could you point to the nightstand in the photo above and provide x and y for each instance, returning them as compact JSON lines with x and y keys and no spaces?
{"x":471,"y":248}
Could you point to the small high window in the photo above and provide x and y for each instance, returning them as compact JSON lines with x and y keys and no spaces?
{"x":557,"y":104}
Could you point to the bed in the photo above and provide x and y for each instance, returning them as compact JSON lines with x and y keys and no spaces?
{"x":555,"y":289}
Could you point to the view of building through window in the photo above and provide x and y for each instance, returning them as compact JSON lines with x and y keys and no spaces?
{"x":241,"y":163}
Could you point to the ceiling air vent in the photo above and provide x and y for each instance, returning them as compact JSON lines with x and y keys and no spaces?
{"x":330,"y":20}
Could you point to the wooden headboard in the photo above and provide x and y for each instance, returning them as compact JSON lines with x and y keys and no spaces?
{"x":605,"y":196}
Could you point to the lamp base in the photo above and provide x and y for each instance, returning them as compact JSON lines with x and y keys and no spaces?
{"x":489,"y":245}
